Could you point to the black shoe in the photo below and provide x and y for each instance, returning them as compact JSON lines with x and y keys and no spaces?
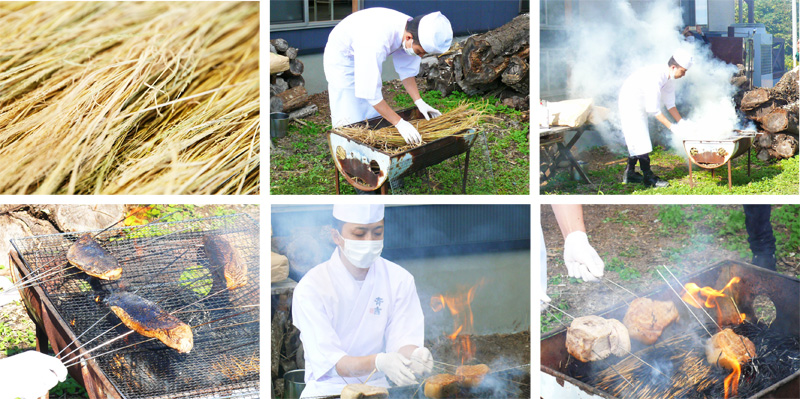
{"x":765,"y":261}
{"x":651,"y":180}
{"x":632,"y":177}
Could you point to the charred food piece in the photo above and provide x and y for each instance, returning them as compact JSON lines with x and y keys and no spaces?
{"x":646,"y":319}
{"x":441,"y":386}
{"x":223,"y":255}
{"x":86,"y":254}
{"x":148,"y":319}
{"x":472,"y":376}
{"x":591,"y":338}
{"x":364,"y":391}
{"x":726,"y":347}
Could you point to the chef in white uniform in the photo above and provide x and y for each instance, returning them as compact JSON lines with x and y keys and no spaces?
{"x":644,"y":93}
{"x":580,"y":257}
{"x":356,"y":49}
{"x":358,"y":313}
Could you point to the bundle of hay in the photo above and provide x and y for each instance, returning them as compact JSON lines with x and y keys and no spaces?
{"x":129,"y":98}
{"x":455,"y":122}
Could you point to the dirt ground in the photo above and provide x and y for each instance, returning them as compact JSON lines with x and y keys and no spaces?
{"x":633,"y":235}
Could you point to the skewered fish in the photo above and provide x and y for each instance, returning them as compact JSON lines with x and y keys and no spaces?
{"x":726,"y":348}
{"x":364,"y":391}
{"x":86,"y":254}
{"x":148,"y":319}
{"x":472,"y":376}
{"x":223,"y":255}
{"x":591,"y":338}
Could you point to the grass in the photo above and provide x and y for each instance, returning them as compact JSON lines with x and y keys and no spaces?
{"x":773,"y":178}
{"x":301,"y":163}
{"x":129,"y":98}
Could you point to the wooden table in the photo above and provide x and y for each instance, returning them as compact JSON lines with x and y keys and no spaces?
{"x":551,"y":142}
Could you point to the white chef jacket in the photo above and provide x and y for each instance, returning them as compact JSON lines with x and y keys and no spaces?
{"x":356,"y":49}
{"x":338,"y":315}
{"x":643,"y":93}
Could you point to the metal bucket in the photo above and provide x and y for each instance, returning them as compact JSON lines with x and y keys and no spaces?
{"x":293,"y":383}
{"x":278,"y":121}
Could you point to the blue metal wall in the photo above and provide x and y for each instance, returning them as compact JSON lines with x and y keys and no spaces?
{"x":466,"y":16}
{"x":430,"y":230}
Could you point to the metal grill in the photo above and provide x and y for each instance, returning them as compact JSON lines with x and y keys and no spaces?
{"x":164,"y":263}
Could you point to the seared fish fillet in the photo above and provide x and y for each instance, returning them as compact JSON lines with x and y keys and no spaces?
{"x":146,"y":318}
{"x":222,"y":254}
{"x":86,"y":254}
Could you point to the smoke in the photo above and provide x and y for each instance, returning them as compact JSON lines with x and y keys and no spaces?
{"x":610,"y":40}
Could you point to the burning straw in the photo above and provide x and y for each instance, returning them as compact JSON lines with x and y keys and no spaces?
{"x":129,"y":98}
{"x":455,"y":122}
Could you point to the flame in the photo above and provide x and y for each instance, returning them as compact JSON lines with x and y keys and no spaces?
{"x":732,"y":380}
{"x":694,"y":292}
{"x":460,"y":306}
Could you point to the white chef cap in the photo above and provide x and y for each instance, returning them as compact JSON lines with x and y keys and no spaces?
{"x":435,"y":33}
{"x":359,"y":214}
{"x":683,"y":58}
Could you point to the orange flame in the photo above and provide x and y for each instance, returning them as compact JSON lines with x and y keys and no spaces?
{"x":694,"y":292}
{"x":732,"y":380}
{"x":460,"y":306}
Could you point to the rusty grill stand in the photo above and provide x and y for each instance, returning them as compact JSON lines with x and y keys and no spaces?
{"x":730,"y":186}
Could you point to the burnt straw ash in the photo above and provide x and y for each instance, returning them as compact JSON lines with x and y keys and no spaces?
{"x":682,"y":359}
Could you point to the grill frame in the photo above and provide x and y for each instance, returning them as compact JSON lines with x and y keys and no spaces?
{"x":783,"y":291}
{"x":361,"y":160}
{"x":53,"y":325}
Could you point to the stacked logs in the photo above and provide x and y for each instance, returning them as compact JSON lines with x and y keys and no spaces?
{"x":496,"y":63}
{"x":286,"y":84}
{"x":775,"y":112}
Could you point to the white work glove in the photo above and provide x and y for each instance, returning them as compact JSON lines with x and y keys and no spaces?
{"x":396,"y":368}
{"x":544,"y":302}
{"x":29,"y":375}
{"x":427,"y":109}
{"x":409,"y":133}
{"x":421,"y":362}
{"x":677,"y":128}
{"x":581,"y":259}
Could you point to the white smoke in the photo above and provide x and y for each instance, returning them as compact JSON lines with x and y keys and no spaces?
{"x":610,"y":40}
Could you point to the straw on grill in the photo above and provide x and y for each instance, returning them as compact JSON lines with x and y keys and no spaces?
{"x":129,"y":98}
{"x":452,"y":123}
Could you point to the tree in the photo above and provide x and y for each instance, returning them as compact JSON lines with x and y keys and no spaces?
{"x":776,"y":15}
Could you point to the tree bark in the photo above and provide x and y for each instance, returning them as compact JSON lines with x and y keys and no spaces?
{"x":754,"y":98}
{"x":776,"y":121}
{"x":289,"y":100}
{"x":304,"y":112}
{"x":486,"y":56}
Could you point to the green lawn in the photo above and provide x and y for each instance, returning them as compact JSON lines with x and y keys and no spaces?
{"x":300,"y":163}
{"x":774,"y":178}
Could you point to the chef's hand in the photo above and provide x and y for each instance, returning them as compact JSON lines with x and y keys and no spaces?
{"x":677,"y":128}
{"x":544,"y":302}
{"x":409,"y":133}
{"x":30,"y":375}
{"x":427,"y":109}
{"x":581,"y":259}
{"x":396,"y":368}
{"x":421,"y":361}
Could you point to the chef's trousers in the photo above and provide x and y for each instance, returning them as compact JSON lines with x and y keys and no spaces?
{"x":759,"y":229}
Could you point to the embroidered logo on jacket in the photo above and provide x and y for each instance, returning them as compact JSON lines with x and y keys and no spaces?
{"x":377,"y":309}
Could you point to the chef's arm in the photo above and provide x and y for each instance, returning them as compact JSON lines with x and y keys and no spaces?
{"x":355,"y":366}
{"x":569,"y":217}
{"x":410,"y":83}
{"x":663,"y":119}
{"x":387,"y":112}
{"x":675,"y":115}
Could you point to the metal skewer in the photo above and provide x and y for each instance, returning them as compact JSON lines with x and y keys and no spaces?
{"x":685,"y":304}
{"x":693,"y":298}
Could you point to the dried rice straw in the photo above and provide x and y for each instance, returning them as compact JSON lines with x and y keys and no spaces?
{"x":455,"y":122}
{"x":129,"y":98}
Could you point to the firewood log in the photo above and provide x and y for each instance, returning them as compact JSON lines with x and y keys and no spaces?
{"x":279,"y":86}
{"x":754,"y":98}
{"x":289,"y":100}
{"x":278,"y":63}
{"x":486,"y":56}
{"x":295,"y":68}
{"x":280,"y":44}
{"x":776,"y":121}
{"x":304,"y":112}
{"x":291,"y":52}
{"x":295,"y":81}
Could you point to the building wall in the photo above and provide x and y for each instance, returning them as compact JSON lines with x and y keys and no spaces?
{"x":720,"y":15}
{"x":479,"y":16}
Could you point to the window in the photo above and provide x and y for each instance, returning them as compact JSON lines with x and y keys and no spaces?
{"x":310,"y":11}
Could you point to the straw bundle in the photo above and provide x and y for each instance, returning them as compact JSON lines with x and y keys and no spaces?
{"x":129,"y":98}
{"x":452,"y":123}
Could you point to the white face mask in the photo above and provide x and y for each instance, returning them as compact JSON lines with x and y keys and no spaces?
{"x":409,"y":50}
{"x":360,"y":253}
